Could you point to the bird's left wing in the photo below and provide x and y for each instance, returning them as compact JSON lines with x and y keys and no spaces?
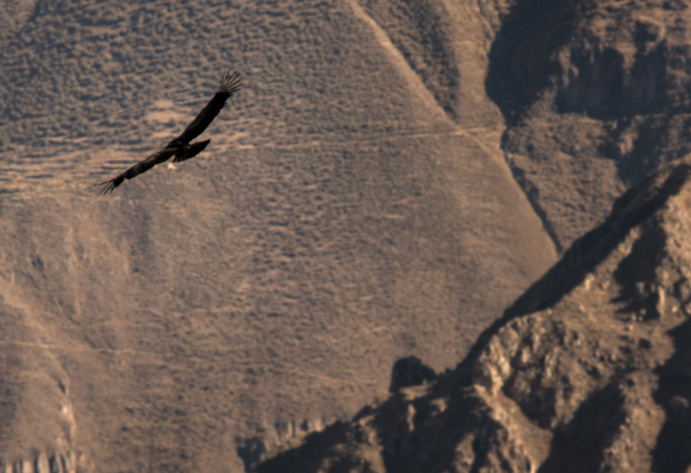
{"x":142,"y":166}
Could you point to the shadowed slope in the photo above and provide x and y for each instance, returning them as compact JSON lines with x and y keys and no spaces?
{"x":596,"y":97}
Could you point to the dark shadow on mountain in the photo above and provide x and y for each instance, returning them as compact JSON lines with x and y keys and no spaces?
{"x":522,"y":58}
{"x":634,"y":273}
{"x":314,"y":448}
{"x":671,"y":453}
{"x":580,"y":445}
{"x":407,"y":448}
{"x":250,"y":451}
{"x":409,"y":371}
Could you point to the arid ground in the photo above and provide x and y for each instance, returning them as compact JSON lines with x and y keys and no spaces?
{"x":392,"y":175}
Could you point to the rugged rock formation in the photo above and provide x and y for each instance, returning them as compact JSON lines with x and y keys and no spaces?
{"x":587,"y":371}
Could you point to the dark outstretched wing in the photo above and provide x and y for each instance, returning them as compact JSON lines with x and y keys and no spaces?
{"x":190,"y":151}
{"x":143,"y":166}
{"x":230,"y":83}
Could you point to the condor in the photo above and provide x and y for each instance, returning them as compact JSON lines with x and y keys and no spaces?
{"x":181,"y":147}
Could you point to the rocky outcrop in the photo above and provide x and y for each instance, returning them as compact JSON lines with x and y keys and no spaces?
{"x":252,"y":450}
{"x":587,"y":371}
{"x":42,"y":463}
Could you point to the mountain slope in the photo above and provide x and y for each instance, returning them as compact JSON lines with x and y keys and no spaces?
{"x":342,"y":216}
{"x":587,"y":371}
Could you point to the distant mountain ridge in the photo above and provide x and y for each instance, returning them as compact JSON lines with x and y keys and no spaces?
{"x":596,"y":96}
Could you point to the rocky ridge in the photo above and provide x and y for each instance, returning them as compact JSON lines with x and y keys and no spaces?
{"x":587,"y":371}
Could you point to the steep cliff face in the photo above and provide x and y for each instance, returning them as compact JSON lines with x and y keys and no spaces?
{"x":596,"y":95}
{"x":587,"y":371}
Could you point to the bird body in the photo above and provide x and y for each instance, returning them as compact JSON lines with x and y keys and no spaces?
{"x":181,"y":147}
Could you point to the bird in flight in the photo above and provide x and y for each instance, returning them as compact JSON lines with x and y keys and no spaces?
{"x":181,"y":147}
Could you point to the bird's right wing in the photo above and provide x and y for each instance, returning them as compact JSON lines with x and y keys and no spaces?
{"x":230,"y":83}
{"x":142,"y":166}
